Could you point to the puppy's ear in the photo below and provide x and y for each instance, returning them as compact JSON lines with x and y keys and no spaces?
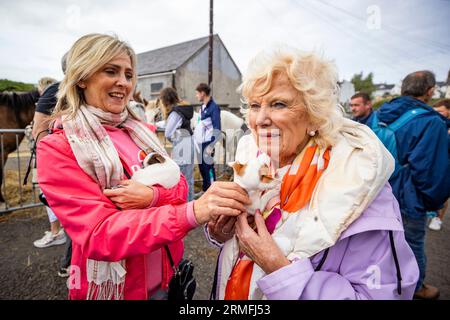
{"x":153,"y":158}
{"x":238,"y":168}
{"x":265,"y":175}
{"x":266,"y":179}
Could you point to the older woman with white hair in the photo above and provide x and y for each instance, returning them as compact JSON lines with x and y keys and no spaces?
{"x":120,"y":228}
{"x":334,"y":231}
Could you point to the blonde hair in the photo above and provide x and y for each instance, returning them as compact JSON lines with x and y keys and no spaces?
{"x":44,"y":83}
{"x":88,"y":55}
{"x":315,"y":79}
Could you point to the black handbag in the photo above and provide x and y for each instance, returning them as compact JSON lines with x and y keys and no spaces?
{"x":182,"y":285}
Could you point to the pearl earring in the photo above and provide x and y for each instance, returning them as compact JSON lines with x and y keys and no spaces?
{"x":312,"y":133}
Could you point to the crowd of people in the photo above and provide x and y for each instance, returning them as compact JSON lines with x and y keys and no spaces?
{"x":348,"y":215}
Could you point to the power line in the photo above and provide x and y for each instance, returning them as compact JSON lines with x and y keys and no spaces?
{"x":403,"y":36}
{"x":405,"y":58}
{"x":332,"y":23}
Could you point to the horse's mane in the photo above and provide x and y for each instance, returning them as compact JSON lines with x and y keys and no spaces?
{"x":18,"y":100}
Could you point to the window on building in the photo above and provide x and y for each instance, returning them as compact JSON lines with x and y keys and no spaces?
{"x":155,"y":88}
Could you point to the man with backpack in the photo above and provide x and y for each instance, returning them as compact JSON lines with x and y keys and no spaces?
{"x":417,"y":137}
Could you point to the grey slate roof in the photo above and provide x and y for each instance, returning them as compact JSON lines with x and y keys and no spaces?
{"x":384,"y":86}
{"x":169,"y":58}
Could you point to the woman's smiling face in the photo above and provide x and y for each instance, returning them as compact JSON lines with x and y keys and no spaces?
{"x":278,"y":120}
{"x":110,"y":87}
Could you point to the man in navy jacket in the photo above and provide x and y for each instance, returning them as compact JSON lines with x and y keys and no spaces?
{"x":207,"y":129}
{"x":423,"y":184}
{"x":361,"y":107}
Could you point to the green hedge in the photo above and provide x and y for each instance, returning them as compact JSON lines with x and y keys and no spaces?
{"x":9,"y":85}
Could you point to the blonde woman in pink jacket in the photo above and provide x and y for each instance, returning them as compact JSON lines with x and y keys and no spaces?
{"x":118,"y":234}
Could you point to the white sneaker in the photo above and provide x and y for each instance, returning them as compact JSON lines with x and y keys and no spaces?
{"x":50,"y":239}
{"x":63,"y":272}
{"x":435,"y":224}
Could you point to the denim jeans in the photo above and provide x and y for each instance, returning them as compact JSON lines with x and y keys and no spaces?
{"x":415,"y":236}
{"x":206,"y":166}
{"x":183,"y":154}
{"x":188,"y":172}
{"x":67,"y":256}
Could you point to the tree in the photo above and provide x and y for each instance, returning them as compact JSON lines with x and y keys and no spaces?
{"x":363,"y":84}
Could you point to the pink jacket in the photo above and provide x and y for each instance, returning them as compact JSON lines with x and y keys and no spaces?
{"x":100,"y":231}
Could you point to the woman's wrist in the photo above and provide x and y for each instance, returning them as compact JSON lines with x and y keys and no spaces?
{"x":198,"y":215}
{"x":154,"y":196}
{"x":190,"y":214}
{"x":276,"y":265}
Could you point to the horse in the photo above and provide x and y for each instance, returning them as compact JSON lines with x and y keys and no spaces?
{"x":137,"y":96}
{"x":16,"y":112}
{"x":234,"y":128}
{"x":154,"y":111}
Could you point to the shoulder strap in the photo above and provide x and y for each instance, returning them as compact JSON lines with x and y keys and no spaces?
{"x":169,"y":256}
{"x":397,"y":266}
{"x":33,"y":156}
{"x":405,"y":118}
{"x":127,"y":174}
{"x":212,"y":295}
{"x":322,"y":261}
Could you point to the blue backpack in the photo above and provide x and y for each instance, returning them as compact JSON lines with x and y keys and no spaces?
{"x":386,"y":133}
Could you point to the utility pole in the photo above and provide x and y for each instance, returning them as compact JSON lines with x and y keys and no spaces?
{"x":211,"y":40}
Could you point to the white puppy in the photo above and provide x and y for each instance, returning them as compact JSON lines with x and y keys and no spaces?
{"x":158,"y":169}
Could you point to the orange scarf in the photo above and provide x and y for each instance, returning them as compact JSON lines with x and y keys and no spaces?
{"x":296,"y":191}
{"x":299,"y":182}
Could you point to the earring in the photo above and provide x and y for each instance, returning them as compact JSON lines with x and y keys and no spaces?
{"x":312,"y":133}
{"x":82,"y":85}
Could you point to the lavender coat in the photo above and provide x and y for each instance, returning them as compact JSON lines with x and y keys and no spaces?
{"x":360,"y":265}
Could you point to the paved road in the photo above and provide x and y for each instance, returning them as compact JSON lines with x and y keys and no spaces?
{"x":438,"y":255}
{"x":30,"y":273}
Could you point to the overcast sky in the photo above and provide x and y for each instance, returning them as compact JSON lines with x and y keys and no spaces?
{"x":391,"y":38}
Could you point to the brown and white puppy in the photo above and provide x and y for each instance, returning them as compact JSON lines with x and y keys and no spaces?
{"x":255,"y":177}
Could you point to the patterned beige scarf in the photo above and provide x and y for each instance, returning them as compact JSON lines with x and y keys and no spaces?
{"x":97,"y":156}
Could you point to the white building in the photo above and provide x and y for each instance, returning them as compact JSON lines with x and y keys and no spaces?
{"x":382,"y":90}
{"x":184,"y":65}
{"x":397,"y":89}
{"x":346,"y":91}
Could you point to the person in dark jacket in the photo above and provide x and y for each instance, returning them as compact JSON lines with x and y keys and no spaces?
{"x":422,"y":184}
{"x":207,"y":128}
{"x":361,"y":107}
{"x":41,"y":123}
{"x":178,"y":131}
{"x":443,"y":108}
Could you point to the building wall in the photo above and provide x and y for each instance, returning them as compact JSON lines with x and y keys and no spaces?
{"x":226,"y":77}
{"x":144,"y":84}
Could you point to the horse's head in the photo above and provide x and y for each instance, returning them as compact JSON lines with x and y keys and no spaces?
{"x":23,"y":104}
{"x":153,"y":111}
{"x":137,"y":96}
